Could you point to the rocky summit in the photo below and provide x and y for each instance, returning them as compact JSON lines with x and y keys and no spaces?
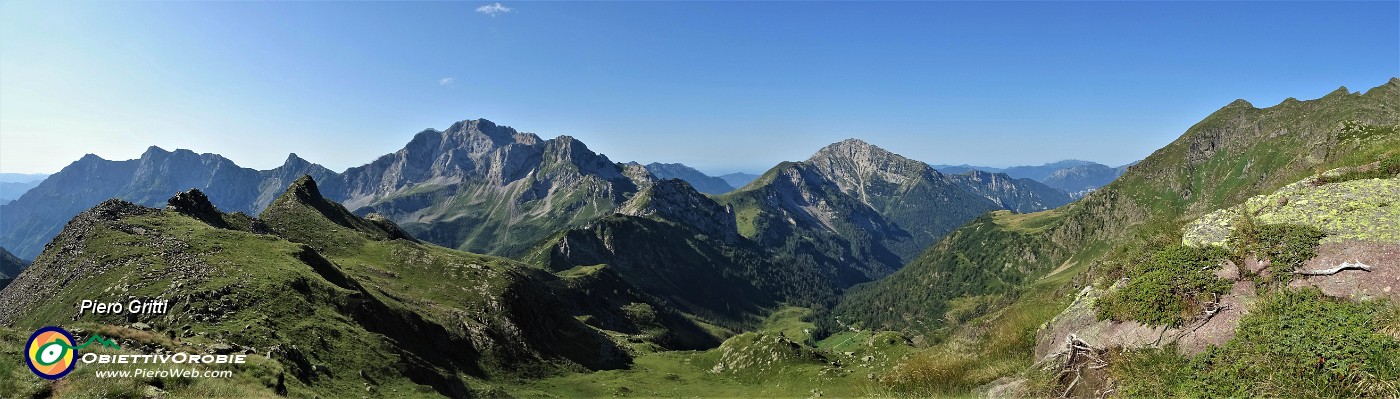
{"x":482,"y":187}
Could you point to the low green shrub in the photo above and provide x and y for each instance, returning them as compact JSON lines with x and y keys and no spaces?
{"x":1168,"y":288}
{"x":1285,"y":246}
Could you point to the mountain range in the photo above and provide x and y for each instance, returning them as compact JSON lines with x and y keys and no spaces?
{"x":475,"y":186}
{"x":856,"y":270}
{"x":1075,"y":177}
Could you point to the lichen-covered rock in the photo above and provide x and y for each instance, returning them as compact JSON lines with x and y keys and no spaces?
{"x":1362,"y":210}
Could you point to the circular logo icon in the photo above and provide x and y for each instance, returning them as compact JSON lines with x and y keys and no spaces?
{"x":50,"y":353}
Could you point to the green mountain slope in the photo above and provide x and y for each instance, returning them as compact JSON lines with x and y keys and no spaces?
{"x":794,"y":211}
{"x":1237,"y":152}
{"x":329,"y":304}
{"x":674,"y":243}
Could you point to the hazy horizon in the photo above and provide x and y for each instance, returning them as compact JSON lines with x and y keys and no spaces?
{"x":987,"y":84}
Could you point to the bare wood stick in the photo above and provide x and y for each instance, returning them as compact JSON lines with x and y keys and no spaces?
{"x":1335,"y":270}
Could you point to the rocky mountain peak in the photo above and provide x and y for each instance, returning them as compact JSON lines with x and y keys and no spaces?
{"x":568,"y":150}
{"x":1239,"y":103}
{"x":304,"y":190}
{"x":856,"y":166}
{"x":498,"y":135}
{"x":640,"y":175}
{"x":153,"y":151}
{"x":851,"y":148}
{"x":860,"y":155}
{"x":295,"y":162}
{"x":303,"y":215}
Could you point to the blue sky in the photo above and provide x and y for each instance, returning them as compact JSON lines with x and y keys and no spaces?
{"x":720,"y":86}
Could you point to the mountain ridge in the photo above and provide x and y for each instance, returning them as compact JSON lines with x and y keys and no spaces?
{"x":702,"y":182}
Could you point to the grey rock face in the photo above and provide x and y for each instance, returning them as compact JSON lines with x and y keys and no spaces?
{"x":485,"y":188}
{"x":675,"y":200}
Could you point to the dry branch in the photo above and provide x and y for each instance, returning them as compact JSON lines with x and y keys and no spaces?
{"x":1335,"y":270}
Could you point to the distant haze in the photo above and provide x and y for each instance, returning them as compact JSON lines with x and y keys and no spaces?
{"x":722,"y":87}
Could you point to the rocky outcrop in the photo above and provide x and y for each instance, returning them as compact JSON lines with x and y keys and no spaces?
{"x":393,"y":229}
{"x":195,"y":204}
{"x":1356,"y":210}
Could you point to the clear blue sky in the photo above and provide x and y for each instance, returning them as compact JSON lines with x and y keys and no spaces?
{"x":720,"y":86}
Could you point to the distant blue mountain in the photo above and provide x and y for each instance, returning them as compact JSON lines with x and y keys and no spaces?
{"x":1075,"y":177}
{"x":11,"y":190}
{"x":22,"y":177}
{"x":13,"y":185}
{"x":738,"y":179}
{"x":699,"y":180}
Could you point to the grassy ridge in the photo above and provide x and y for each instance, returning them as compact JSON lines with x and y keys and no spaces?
{"x":340,"y":310}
